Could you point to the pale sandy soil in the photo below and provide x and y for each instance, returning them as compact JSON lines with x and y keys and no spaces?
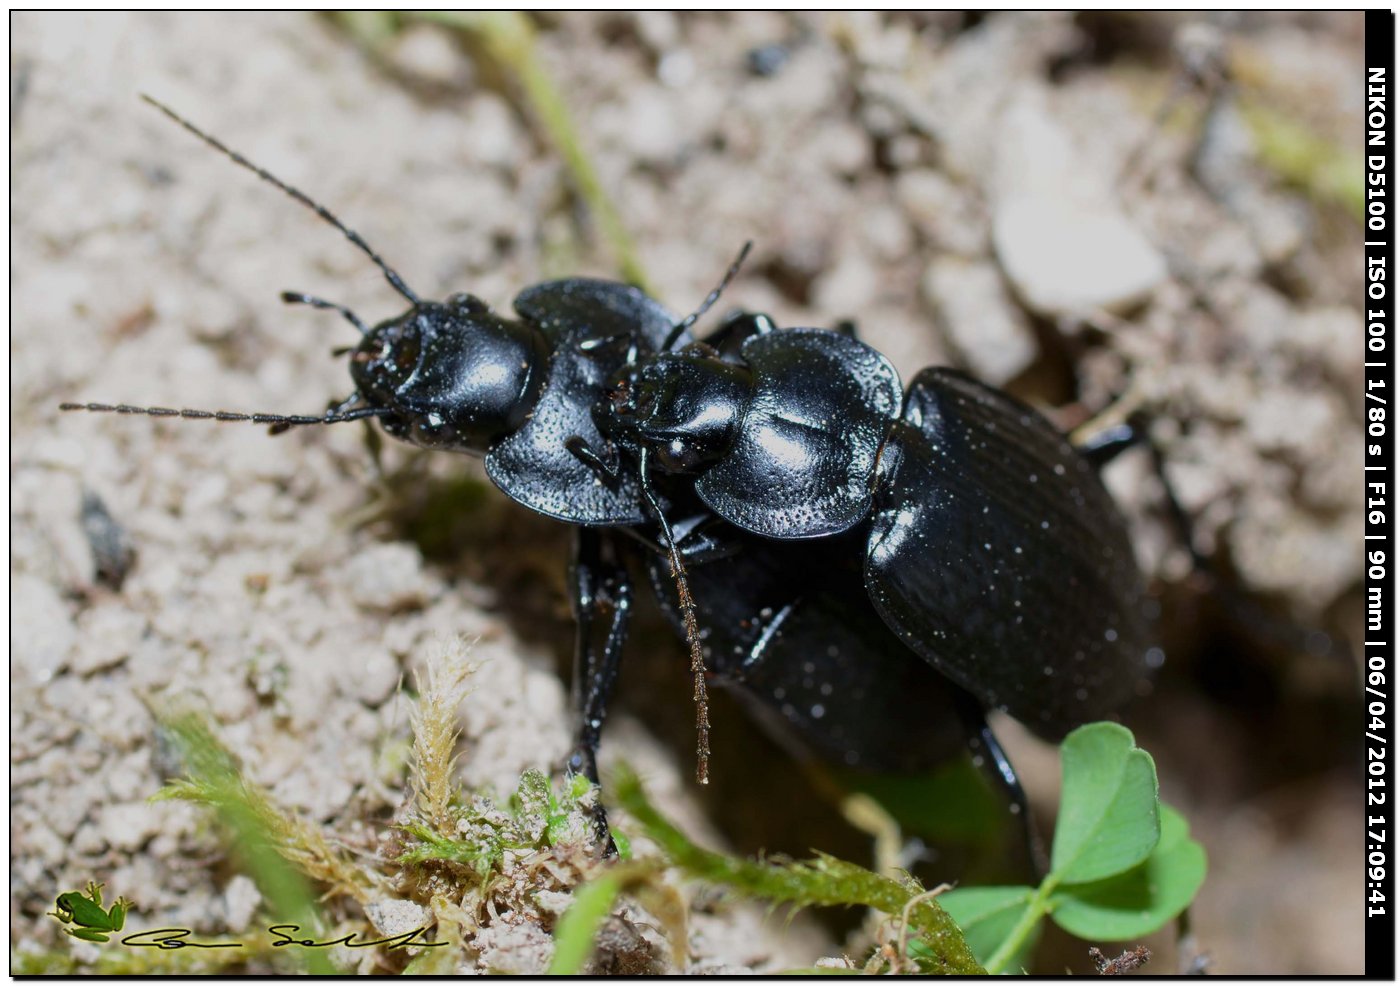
{"x":877,"y":170}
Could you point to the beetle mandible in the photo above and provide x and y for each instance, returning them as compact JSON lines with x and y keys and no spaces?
{"x":873,"y":567}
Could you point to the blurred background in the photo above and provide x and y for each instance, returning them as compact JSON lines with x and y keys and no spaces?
{"x":1094,"y":211}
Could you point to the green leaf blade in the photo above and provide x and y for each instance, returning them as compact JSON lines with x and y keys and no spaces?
{"x":1136,"y":903}
{"x":986,"y":915}
{"x":573,"y":938}
{"x":1108,"y":820}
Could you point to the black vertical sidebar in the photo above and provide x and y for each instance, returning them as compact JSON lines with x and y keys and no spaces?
{"x":1379,"y":836}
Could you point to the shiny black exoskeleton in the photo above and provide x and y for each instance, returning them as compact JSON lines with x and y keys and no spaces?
{"x":462,"y":378}
{"x":990,"y":546}
{"x":872,"y":568}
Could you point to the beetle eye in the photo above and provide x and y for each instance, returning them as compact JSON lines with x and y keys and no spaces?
{"x":428,"y":432}
{"x":677,"y":456}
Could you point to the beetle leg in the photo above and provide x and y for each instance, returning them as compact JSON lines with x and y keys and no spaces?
{"x":600,"y":583}
{"x":585,"y":453}
{"x":736,"y":328}
{"x":1102,"y":448}
{"x":988,"y":755}
{"x":349,"y":404}
{"x":700,"y":540}
{"x":625,"y":342}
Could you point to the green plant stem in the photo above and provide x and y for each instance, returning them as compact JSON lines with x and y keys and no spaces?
{"x":509,"y":37}
{"x":1036,"y":910}
{"x":215,"y":780}
{"x":824,"y":881}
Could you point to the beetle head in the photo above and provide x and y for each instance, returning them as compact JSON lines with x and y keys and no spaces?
{"x":684,"y":406}
{"x":450,"y":375}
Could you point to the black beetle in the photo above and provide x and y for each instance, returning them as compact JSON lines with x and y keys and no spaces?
{"x":991,"y":546}
{"x":876,"y":567}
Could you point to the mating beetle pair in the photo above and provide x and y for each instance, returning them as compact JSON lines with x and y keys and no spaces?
{"x":870,"y":566}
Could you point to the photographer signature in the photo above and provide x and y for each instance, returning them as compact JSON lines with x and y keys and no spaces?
{"x":171,"y":939}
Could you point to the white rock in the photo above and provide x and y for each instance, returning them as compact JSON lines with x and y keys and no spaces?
{"x":649,"y":126}
{"x":1064,"y":243}
{"x":35,"y":839}
{"x":979,"y":319}
{"x":87,"y":841}
{"x":514,"y":947}
{"x":849,"y":287}
{"x":494,"y":133}
{"x":392,"y":917}
{"x":127,"y":826}
{"x":1068,"y":260}
{"x":129,"y":779}
{"x":241,"y":902}
{"x":109,"y":635}
{"x":373,"y":679}
{"x":65,"y":812}
{"x":553,"y":901}
{"x":431,"y":55}
{"x":42,"y":634}
{"x":658,"y":28}
{"x":947,"y":214}
{"x":321,"y":796}
{"x":386,"y":577}
{"x":1332,"y":335}
{"x":1285,"y":419}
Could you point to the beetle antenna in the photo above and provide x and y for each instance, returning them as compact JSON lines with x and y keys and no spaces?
{"x":709,"y":301}
{"x":394,"y":280}
{"x":280,"y":421}
{"x":692,"y":629}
